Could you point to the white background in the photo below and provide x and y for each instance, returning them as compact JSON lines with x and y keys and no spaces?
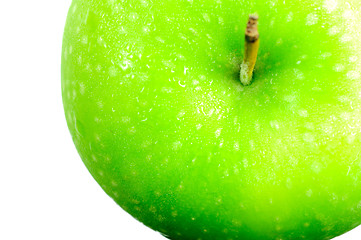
{"x":45,"y":190}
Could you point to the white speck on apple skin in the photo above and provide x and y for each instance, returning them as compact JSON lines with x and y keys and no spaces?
{"x":353,"y":75}
{"x":289,"y":17}
{"x":97,"y":137}
{"x":288,"y":183}
{"x":236,"y":146}
{"x":82,"y":88}
{"x":181,"y":84}
{"x":125,"y":119}
{"x":84,"y":39}
{"x":245,"y":163}
{"x":251,"y":144}
{"x":299,"y":74}
{"x":339,"y":67}
{"x":74,"y":93}
{"x":303,"y":113}
{"x":351,"y":139}
{"x":114,"y":183}
{"x":132,"y":130}
{"x":274,"y":124}
{"x":309,"y":193}
{"x":311,"y":19}
{"x":353,"y":59}
{"x":70,"y":50}
{"x":221,"y":143}
{"x":308,"y":137}
{"x":206,"y":17}
{"x":334,"y":30}
{"x":330,"y":5}
{"x":100,"y":104}
{"x":218,"y":132}
{"x":316,"y":167}
{"x":346,"y":38}
{"x":177,"y":145}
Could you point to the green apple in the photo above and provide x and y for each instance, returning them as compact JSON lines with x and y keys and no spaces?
{"x":158,"y":114}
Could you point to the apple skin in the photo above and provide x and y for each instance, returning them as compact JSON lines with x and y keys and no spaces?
{"x":153,"y":102}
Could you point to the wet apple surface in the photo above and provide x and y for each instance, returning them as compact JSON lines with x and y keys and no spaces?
{"x":158,"y":114}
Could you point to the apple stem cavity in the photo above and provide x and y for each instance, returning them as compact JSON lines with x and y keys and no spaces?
{"x":250,"y":50}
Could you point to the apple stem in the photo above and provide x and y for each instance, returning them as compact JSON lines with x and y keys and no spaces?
{"x":250,"y":51}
